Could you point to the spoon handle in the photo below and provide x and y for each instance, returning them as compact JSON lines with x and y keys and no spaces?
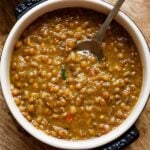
{"x":100,"y":34}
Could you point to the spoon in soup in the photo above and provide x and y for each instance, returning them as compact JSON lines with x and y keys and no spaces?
{"x":94,"y":45}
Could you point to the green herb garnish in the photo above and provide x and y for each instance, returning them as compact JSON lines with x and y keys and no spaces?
{"x":63,"y":73}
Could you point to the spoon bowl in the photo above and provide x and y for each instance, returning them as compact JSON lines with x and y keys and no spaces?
{"x":88,"y":47}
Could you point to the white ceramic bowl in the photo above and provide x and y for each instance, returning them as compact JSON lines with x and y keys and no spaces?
{"x":97,"y":5}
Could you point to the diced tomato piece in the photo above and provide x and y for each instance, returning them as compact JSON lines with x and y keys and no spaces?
{"x":69,"y":118}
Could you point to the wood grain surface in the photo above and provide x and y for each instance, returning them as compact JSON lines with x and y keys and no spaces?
{"x":13,"y":137}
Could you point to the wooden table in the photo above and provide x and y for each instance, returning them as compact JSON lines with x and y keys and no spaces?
{"x":13,"y":137}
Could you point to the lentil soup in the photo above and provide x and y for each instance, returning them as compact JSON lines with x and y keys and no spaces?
{"x":67,"y":94}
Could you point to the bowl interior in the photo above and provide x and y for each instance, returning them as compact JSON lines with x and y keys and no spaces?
{"x":97,"y":5}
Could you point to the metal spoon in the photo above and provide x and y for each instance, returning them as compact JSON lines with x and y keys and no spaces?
{"x":94,"y":45}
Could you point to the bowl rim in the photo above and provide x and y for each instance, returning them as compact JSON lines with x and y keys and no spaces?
{"x":59,"y":143}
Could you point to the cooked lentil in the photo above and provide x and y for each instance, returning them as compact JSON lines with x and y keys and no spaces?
{"x":69,"y":95}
